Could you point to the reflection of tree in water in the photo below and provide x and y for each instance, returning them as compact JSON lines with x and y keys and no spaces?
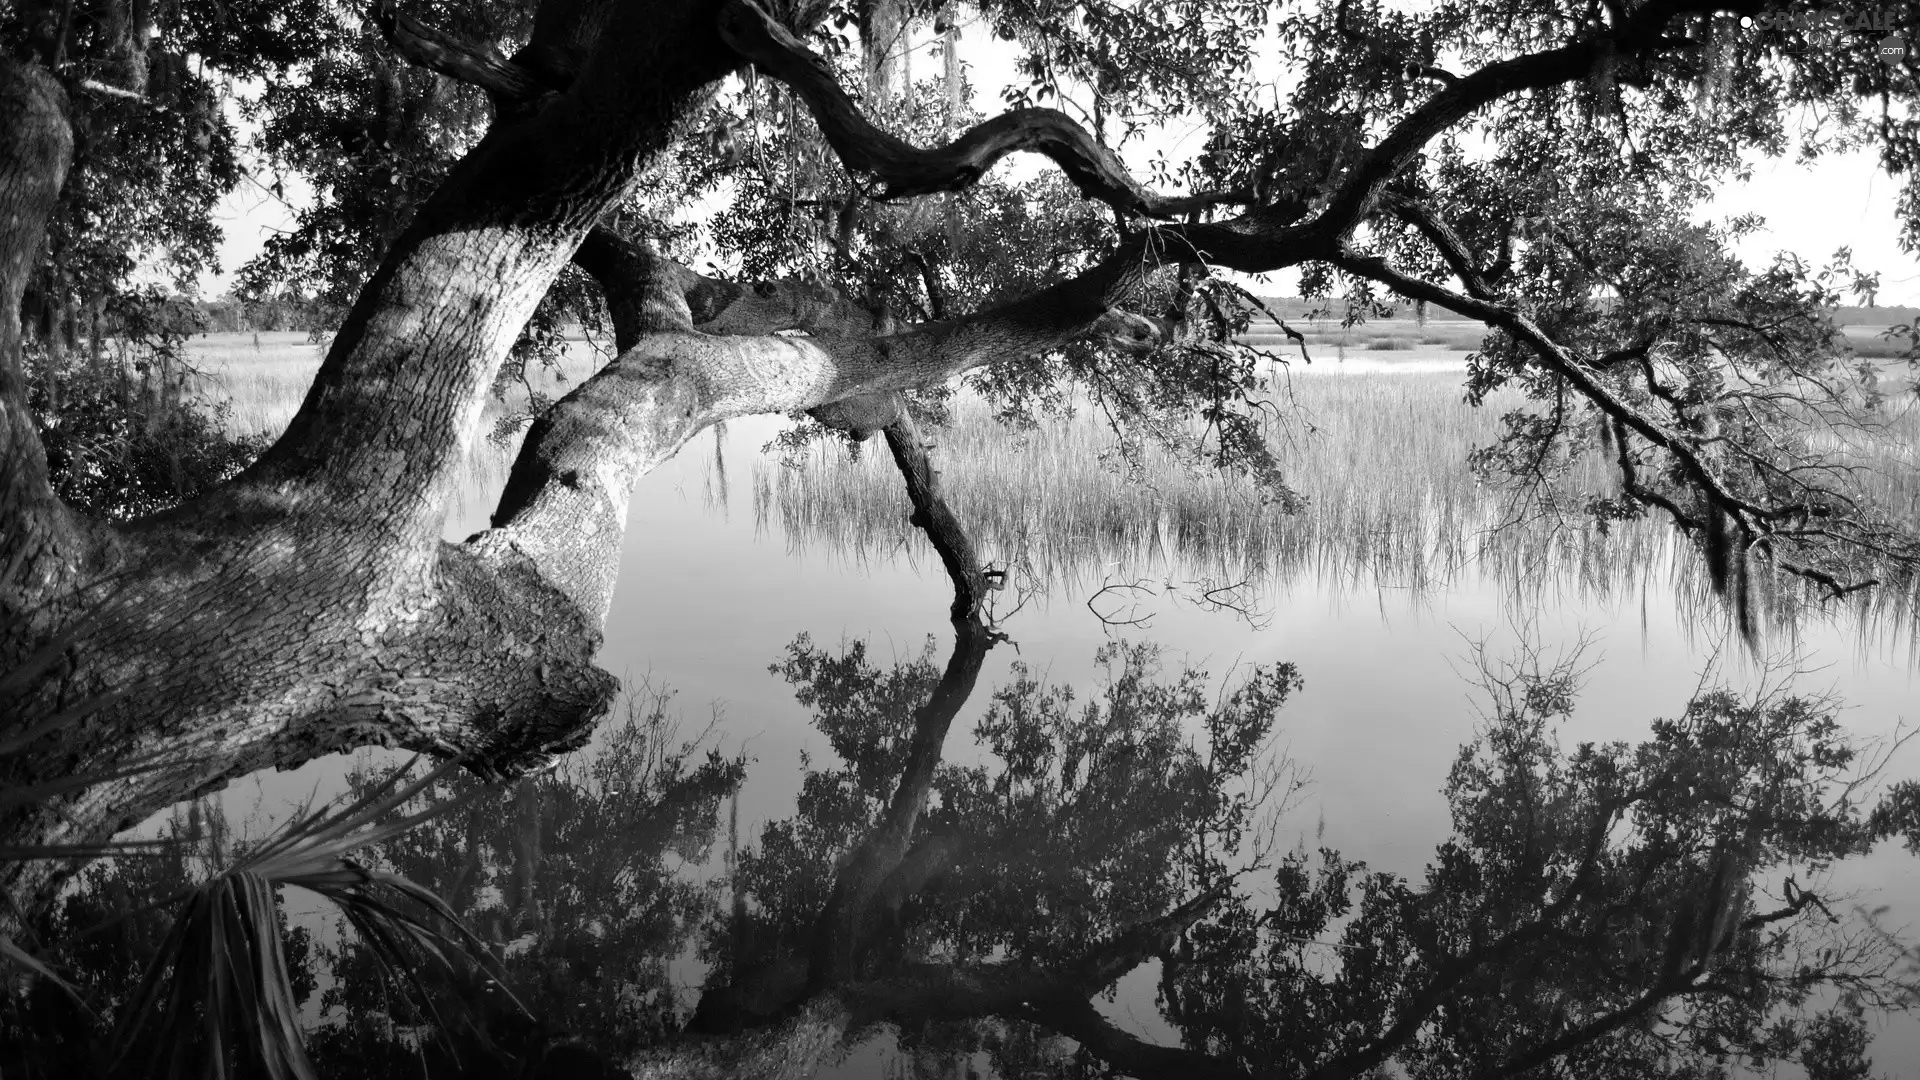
{"x":1606,"y":910}
{"x":1043,"y":873}
{"x":573,"y":877}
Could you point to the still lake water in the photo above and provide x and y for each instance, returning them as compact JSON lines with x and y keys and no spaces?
{"x":710,"y":595}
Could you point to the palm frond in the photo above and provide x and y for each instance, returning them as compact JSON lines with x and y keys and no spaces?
{"x":13,"y":953}
{"x":219,"y":991}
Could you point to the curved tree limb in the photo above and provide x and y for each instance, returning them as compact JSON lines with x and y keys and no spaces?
{"x":276,"y":616}
{"x":1554,"y":357}
{"x":931,"y":513}
{"x":904,"y":169}
{"x":628,"y":273}
{"x":308,"y":605}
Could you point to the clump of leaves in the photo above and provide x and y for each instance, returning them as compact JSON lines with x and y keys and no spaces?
{"x":124,"y":435}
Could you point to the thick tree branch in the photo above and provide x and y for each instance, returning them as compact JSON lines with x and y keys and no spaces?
{"x":565,"y":501}
{"x":308,"y":605}
{"x":1269,"y":238}
{"x":629,"y":274}
{"x":494,"y":666}
{"x":903,"y":169}
{"x":396,"y":399}
{"x":1471,"y":93}
{"x":644,"y":291}
{"x":480,"y":64}
{"x":1447,"y":242}
{"x":1264,"y":239}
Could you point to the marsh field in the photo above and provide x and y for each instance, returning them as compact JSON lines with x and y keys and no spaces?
{"x":1379,"y":589}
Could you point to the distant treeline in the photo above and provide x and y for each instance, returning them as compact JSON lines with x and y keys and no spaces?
{"x":1297,"y":307}
{"x":1876,"y":316}
{"x":1301,"y":307}
{"x":229,"y":315}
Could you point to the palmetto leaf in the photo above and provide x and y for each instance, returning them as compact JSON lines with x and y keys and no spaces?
{"x":219,"y":989}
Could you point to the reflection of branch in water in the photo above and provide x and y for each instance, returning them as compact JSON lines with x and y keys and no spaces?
{"x":1240,"y":598}
{"x":1114,"y":617}
{"x":718,"y":495}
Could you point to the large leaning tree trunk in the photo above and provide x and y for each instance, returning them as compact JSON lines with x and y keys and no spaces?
{"x":309,"y":605}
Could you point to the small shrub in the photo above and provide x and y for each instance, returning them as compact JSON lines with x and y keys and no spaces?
{"x":123,"y":437}
{"x":1389,"y":344}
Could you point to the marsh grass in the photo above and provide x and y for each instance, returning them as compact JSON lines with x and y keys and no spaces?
{"x":1391,"y":505}
{"x":1380,"y":458}
{"x":263,"y":376}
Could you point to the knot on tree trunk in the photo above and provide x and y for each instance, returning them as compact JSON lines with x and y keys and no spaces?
{"x":861,"y":417}
{"x":547,"y":694}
